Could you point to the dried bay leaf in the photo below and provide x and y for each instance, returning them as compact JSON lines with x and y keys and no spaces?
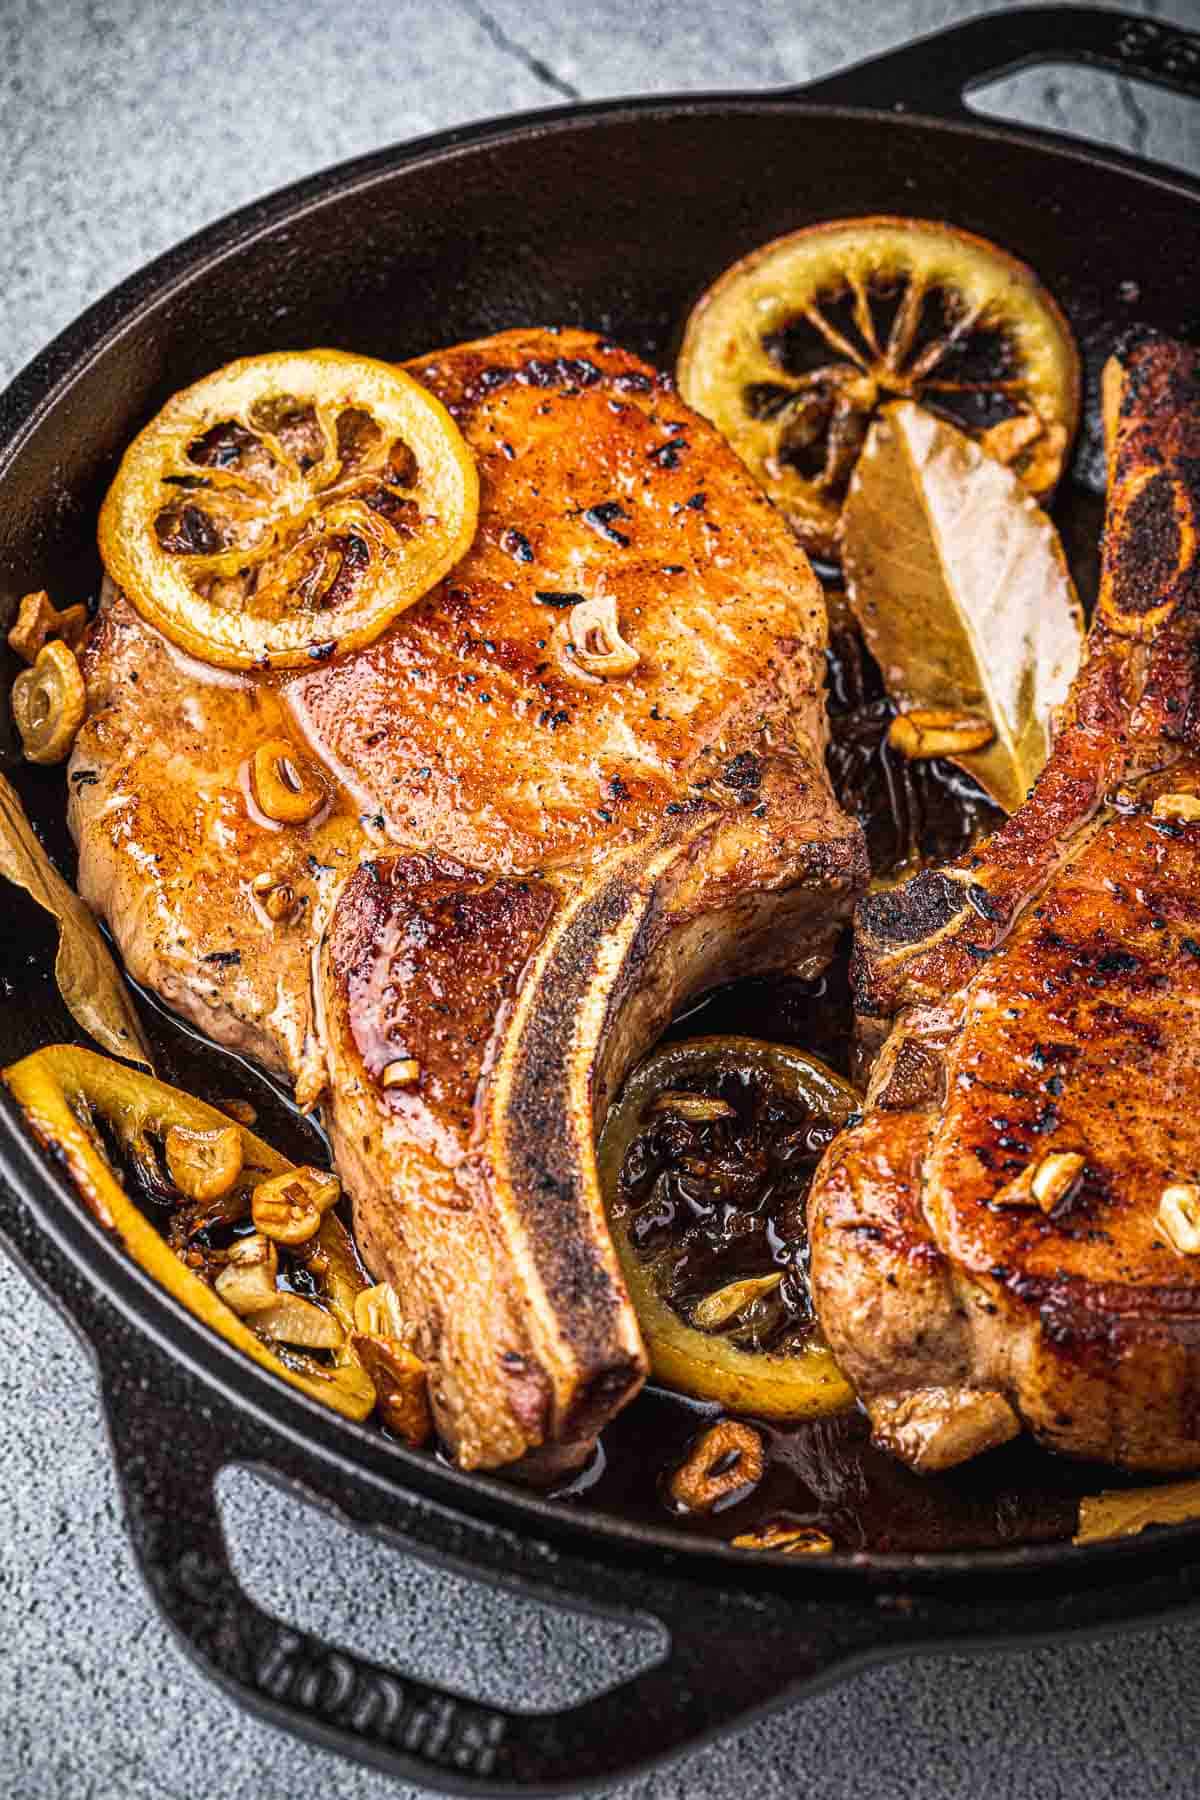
{"x":88,"y":978}
{"x":1123,"y":1512}
{"x":959,"y":583}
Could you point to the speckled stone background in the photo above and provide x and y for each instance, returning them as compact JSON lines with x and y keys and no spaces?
{"x":125,"y":125}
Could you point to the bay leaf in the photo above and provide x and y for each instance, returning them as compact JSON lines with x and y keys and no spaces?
{"x":88,"y":978}
{"x":1123,"y":1512}
{"x":961,"y":589}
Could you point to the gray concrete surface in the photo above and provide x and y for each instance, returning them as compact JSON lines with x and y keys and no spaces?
{"x":127,"y":123}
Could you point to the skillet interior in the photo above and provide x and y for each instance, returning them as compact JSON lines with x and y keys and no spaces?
{"x":615,"y":220}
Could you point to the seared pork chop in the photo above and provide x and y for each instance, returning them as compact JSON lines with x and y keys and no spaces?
{"x":990,"y":1247}
{"x":523,"y":868}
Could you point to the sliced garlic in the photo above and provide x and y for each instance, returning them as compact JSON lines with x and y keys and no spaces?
{"x":39,"y":620}
{"x":1185,"y":807}
{"x":1011,"y":436}
{"x":280,"y":903}
{"x":1045,"y":1184}
{"x":288,"y":1208}
{"x":404,"y":1072}
{"x":276,"y":896}
{"x":716,"y":1309}
{"x":589,"y":641}
{"x":931,"y":731}
{"x":1179,"y":1216}
{"x":49,"y":702}
{"x":203,"y":1164}
{"x":697,"y":1109}
{"x":293,"y":1320}
{"x":377,"y":1311}
{"x":286,"y":786}
{"x":726,"y":1458}
{"x":247,"y":1282}
{"x":792,"y":1540}
{"x":1055,"y":1176}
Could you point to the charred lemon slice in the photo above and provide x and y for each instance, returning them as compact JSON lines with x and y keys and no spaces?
{"x":705,"y":1161}
{"x":289,"y":507}
{"x":791,"y":351}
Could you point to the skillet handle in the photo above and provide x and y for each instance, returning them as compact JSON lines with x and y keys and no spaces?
{"x":730,"y":1653}
{"x":936,"y":73}
{"x":739,"y":1639}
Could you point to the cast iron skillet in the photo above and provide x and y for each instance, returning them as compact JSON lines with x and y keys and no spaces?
{"x":613,"y":216}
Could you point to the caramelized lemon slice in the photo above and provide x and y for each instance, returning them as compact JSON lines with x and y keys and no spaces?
{"x":705,"y":1160}
{"x":792,"y":350}
{"x":289,"y":507}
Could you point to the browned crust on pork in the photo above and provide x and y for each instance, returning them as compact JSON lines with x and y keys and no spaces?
{"x":559,"y":863}
{"x":1042,"y":995}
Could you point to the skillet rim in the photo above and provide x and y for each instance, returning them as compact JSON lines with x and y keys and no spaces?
{"x":33,"y":392}
{"x":52,"y":370}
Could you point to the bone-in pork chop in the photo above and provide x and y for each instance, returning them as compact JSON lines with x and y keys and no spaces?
{"x":1004,"y":1240}
{"x":523,"y":868}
